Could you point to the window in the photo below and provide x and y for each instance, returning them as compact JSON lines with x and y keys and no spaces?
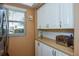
{"x":16,"y":22}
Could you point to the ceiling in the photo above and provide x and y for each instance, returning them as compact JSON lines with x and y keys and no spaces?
{"x":29,"y":4}
{"x":33,"y":5}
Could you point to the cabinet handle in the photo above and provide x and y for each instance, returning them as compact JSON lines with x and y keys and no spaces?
{"x":60,"y":24}
{"x":38,"y":44}
{"x":53,"y":52}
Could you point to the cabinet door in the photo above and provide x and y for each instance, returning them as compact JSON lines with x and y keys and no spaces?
{"x":43,"y":50}
{"x":66,"y":15}
{"x":46,"y":50}
{"x":48,"y":16}
{"x":38,"y":48}
{"x":41,"y":17}
{"x":52,"y":15}
{"x":59,"y":53}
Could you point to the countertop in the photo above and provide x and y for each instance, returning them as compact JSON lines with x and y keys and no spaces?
{"x":53,"y":44}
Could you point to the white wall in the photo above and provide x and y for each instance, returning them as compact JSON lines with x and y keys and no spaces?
{"x":52,"y":35}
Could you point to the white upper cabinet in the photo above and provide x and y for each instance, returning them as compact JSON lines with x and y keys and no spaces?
{"x":55,"y":16}
{"x":52,"y":14}
{"x":41,"y":17}
{"x":66,"y":15}
{"x":47,"y":16}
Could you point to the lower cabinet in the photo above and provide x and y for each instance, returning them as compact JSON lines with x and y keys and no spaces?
{"x":42,"y":49}
{"x":38,"y":48}
{"x":46,"y":50}
{"x":59,"y":53}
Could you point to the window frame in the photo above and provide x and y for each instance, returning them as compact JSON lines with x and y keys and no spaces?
{"x":17,"y":34}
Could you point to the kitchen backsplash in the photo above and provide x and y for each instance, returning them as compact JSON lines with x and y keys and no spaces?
{"x":52,"y":35}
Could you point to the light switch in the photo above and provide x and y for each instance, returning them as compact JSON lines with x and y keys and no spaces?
{"x":30,"y":17}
